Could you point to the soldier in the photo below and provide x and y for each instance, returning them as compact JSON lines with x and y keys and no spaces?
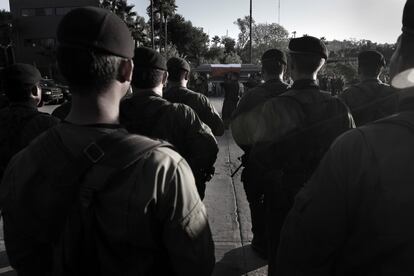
{"x":87,"y":198}
{"x":20,"y":121}
{"x":147,"y":113}
{"x":295,"y":129}
{"x":232,"y":95}
{"x":243,"y":126}
{"x":370,"y":99}
{"x":354,"y":217}
{"x":177,"y":92}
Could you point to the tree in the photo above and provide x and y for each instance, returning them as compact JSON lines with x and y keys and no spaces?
{"x":229,"y":44}
{"x":265,"y":36}
{"x":244,"y":27}
{"x":164,"y":9}
{"x":190,"y":41}
{"x":216,"y":40}
{"x":135,"y":23}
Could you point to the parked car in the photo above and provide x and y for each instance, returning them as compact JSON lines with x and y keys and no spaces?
{"x":51,"y":94}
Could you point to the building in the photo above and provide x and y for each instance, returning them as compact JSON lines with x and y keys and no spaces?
{"x":34,"y":29}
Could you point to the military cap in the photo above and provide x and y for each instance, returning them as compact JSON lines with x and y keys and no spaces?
{"x":20,"y":74}
{"x":408,"y":18}
{"x":371,"y":57}
{"x":177,"y":63}
{"x":96,"y":29}
{"x":405,"y":79}
{"x":148,"y":58}
{"x":274,"y":55}
{"x":308,"y":45}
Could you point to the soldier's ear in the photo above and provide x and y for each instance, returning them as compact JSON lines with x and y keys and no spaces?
{"x":126,"y":68}
{"x":165,"y":78}
{"x":186,"y":75}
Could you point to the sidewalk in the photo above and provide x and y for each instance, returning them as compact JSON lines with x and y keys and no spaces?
{"x":229,"y":213}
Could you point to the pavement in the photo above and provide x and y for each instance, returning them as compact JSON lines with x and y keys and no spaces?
{"x":228,"y":211}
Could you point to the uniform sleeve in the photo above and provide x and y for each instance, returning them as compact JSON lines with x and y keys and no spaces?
{"x":186,"y":231}
{"x":211,"y":117}
{"x":198,"y":142}
{"x":316,"y":227}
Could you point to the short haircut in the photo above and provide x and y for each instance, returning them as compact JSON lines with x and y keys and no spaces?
{"x":86,"y":69}
{"x":273,"y":67}
{"x":306,"y":63}
{"x":176,"y":75}
{"x":146,"y":78}
{"x":18,"y":92}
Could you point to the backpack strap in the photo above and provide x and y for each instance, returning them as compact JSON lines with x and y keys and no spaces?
{"x":404,"y":119}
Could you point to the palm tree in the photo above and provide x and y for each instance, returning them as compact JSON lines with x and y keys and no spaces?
{"x":135,"y":23}
{"x":166,"y":9}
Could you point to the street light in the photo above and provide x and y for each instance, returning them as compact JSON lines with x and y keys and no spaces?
{"x":251,"y":19}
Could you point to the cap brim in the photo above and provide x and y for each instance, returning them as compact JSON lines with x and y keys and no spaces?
{"x":404,"y":79}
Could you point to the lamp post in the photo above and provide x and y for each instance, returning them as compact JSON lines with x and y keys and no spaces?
{"x":250,"y":43}
{"x":152,"y":24}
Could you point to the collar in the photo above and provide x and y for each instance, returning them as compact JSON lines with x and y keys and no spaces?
{"x":109,"y":126}
{"x":305,"y":84}
{"x":372,"y":80}
{"x":147,"y":93}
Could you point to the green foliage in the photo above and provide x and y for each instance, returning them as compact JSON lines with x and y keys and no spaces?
{"x":189,"y":40}
{"x":136,"y":24}
{"x":229,"y":44}
{"x":264,"y":36}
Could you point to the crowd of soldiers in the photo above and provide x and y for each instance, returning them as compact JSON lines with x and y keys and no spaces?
{"x":113,"y":182}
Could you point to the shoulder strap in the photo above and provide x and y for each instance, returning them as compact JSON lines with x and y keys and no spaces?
{"x":401,"y":119}
{"x":117,"y":150}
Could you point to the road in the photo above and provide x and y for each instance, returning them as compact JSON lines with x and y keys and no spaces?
{"x":228,"y":212}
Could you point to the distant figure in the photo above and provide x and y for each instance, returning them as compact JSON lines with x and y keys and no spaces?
{"x":147,"y":113}
{"x":87,"y":197}
{"x":370,"y":99}
{"x":20,"y":121}
{"x":295,"y":130}
{"x":232,"y":95}
{"x":243,"y":126}
{"x":355,"y":215}
{"x":177,"y":92}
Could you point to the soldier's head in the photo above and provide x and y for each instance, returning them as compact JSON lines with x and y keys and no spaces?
{"x":274,"y":64}
{"x":150,"y":71}
{"x":370,"y":64}
{"x":178,"y":70}
{"x":95,"y":51}
{"x":308,"y":55}
{"x":21,"y":83}
{"x":402,"y":61}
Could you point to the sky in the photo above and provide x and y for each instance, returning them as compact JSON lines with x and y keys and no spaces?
{"x":376,"y":20}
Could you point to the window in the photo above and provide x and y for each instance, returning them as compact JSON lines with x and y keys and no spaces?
{"x":28,"y":12}
{"x":44,"y":11}
{"x":63,"y":10}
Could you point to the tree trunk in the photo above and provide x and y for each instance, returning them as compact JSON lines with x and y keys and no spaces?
{"x":166,"y":34}
{"x":160,"y":30}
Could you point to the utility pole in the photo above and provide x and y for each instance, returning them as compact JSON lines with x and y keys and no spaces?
{"x":250,"y":43}
{"x":278,"y":20}
{"x":152,"y":24}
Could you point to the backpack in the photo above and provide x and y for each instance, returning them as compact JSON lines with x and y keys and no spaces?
{"x":71,"y":197}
